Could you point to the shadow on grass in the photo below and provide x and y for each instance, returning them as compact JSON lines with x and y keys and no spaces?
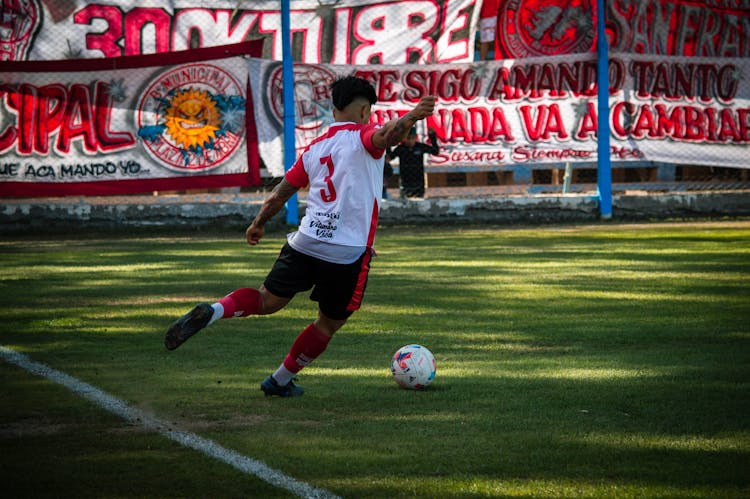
{"x":599,"y":360}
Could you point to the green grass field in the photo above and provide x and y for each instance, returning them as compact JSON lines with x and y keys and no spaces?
{"x":578,"y":361}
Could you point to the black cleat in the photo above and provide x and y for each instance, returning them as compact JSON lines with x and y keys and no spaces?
{"x":187,"y":325}
{"x":271,"y":387}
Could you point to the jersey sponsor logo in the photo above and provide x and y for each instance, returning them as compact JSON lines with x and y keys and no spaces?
{"x":325,"y":224}
{"x":192,"y":118}
{"x":531,"y":28}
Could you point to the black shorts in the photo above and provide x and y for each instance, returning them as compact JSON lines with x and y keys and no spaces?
{"x":338,"y":288}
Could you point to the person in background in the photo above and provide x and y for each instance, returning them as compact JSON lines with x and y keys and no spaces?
{"x":387,"y":174}
{"x":410,"y":154}
{"x":487,"y":26}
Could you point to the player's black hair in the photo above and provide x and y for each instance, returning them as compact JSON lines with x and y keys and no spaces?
{"x":344,"y":90}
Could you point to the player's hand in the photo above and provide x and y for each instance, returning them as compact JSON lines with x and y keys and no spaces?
{"x":254,"y":233}
{"x":425,"y":107}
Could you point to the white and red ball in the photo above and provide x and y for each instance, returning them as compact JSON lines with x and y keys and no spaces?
{"x":413,"y":367}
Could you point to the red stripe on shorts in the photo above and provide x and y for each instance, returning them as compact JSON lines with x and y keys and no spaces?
{"x":359,"y":290}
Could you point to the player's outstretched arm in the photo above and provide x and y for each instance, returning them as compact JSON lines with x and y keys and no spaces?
{"x":271,"y":206}
{"x":395,"y":131}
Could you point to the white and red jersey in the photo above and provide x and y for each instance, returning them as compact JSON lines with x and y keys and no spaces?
{"x":345,"y":173}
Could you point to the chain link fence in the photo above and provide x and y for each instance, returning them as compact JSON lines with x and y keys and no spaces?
{"x":393,"y":33}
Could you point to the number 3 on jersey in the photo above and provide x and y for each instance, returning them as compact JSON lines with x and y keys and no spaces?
{"x":329,"y":195}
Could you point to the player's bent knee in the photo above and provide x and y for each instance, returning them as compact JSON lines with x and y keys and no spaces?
{"x":271,"y":303}
{"x":328,"y":326}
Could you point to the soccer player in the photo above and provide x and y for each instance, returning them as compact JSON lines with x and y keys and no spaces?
{"x":331,"y":250}
{"x":488,"y":27}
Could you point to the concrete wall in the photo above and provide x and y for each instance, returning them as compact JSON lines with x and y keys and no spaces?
{"x":237,"y":210}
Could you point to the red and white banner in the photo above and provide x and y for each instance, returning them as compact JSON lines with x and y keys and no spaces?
{"x":682,"y":110}
{"x":131,"y":124}
{"x":531,"y":28}
{"x":690,"y":28}
{"x":536,"y":110}
{"x":370,"y":31}
{"x":323,"y":31}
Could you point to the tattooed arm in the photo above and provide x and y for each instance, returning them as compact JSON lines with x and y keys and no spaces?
{"x":395,"y":131}
{"x":271,"y":206}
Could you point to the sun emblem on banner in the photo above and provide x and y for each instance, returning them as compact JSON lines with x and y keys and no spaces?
{"x":192,"y":117}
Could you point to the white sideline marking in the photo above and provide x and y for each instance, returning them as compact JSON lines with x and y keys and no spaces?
{"x":132,"y":415}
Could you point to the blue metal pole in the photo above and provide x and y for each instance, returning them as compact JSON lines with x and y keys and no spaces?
{"x":604,"y":163}
{"x":290,"y":153}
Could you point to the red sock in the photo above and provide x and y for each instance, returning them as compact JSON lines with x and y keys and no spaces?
{"x":310,"y":343}
{"x":242,"y":302}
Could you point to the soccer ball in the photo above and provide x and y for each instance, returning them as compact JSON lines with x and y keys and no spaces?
{"x":413,"y":367}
